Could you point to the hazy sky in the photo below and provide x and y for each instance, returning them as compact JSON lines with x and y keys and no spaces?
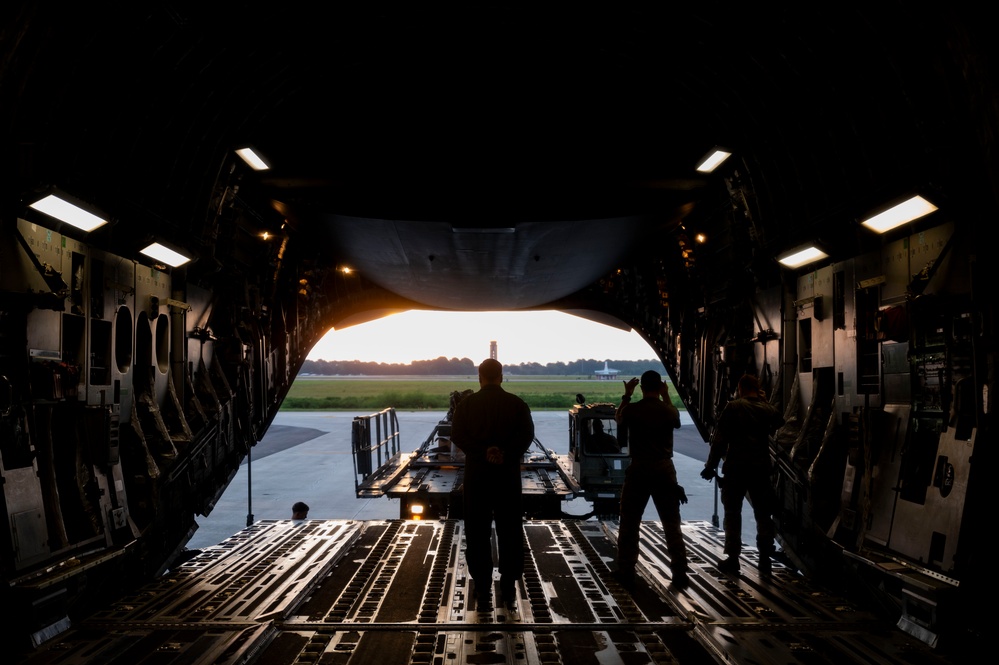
{"x":521,"y":337}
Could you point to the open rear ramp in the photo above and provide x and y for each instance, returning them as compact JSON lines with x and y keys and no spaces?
{"x":396,"y":591}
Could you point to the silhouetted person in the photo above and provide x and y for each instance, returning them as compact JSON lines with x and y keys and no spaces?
{"x":600,"y":440}
{"x":650,"y":423}
{"x":742,"y":439}
{"x":494,"y":429}
{"x":300,"y":510}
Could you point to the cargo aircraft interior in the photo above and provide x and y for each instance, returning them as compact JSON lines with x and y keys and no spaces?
{"x":799,"y":194}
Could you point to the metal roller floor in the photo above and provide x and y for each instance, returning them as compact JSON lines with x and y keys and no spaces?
{"x":343,"y":592}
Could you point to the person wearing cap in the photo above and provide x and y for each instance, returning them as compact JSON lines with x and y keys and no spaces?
{"x":494,"y":429}
{"x":649,"y":423}
{"x":742,"y":438}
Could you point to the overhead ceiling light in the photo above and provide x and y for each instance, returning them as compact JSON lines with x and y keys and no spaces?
{"x":801,"y":256}
{"x":255,"y":161}
{"x":160,"y":252}
{"x":713,"y":160}
{"x":72,"y":214}
{"x":906,"y":211}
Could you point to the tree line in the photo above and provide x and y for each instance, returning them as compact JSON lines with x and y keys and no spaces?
{"x":459,"y":366}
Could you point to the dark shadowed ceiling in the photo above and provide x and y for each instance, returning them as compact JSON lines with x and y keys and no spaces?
{"x":498,"y":155}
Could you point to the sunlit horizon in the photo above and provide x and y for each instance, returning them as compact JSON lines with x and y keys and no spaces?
{"x":521,"y":337}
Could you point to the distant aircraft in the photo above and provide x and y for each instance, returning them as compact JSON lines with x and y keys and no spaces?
{"x":606,"y":373}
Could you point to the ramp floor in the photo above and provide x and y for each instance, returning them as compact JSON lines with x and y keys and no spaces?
{"x":349,"y":592}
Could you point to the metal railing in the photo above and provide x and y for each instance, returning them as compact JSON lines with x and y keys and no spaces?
{"x":374,"y":440}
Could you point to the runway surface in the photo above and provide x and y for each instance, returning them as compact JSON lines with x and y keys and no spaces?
{"x":306,"y":456}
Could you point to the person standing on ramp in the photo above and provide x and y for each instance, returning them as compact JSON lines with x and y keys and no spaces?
{"x":494,"y":429}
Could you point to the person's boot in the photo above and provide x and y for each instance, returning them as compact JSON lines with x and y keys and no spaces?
{"x":625,"y":576}
{"x":764,"y":566}
{"x":729,"y":565}
{"x":680,"y":580}
{"x":508,"y":592}
{"x":483,"y":597}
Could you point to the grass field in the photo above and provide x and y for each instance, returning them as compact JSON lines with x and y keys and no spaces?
{"x":434,"y":393}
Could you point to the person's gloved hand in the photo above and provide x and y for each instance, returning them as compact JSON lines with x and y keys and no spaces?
{"x":708,"y":473}
{"x":681,"y":494}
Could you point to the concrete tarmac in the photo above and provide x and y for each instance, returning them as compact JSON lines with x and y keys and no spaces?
{"x":306,"y":456}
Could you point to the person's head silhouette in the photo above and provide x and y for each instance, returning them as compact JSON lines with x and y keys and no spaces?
{"x":299,"y":511}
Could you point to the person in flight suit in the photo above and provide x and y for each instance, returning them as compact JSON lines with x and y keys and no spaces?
{"x":494,"y":429}
{"x":650,"y":423}
{"x":742,"y":439}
